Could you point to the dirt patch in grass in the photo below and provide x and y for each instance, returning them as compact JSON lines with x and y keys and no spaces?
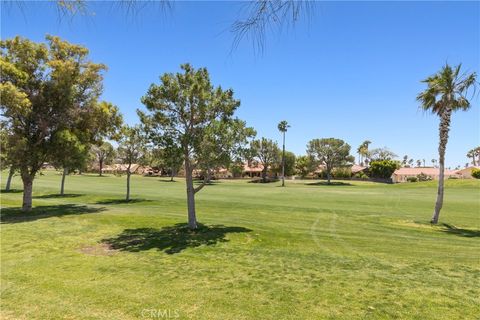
{"x":101,"y":249}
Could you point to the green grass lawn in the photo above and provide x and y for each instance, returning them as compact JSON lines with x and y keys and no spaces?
{"x":308,"y":251}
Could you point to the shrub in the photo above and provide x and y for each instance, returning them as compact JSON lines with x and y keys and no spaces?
{"x":476,"y":173}
{"x":452,"y":177}
{"x":412,"y":179}
{"x":361,"y":175}
{"x":342,"y":173}
{"x":423,"y":177}
{"x":383,"y":169}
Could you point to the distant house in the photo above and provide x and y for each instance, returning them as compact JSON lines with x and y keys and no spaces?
{"x":401,"y":175}
{"x":356,"y":168}
{"x":252,"y":170}
{"x":466,"y":173}
{"x":122,"y":168}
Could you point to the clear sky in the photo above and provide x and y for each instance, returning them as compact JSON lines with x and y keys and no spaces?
{"x":351,"y":71}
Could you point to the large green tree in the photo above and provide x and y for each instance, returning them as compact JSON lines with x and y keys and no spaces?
{"x":283,"y":127}
{"x":46,"y":89}
{"x":446,"y":92}
{"x":267,"y":153}
{"x":200,"y":119}
{"x":331,"y":153}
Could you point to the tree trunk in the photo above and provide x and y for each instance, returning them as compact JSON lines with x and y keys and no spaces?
{"x":27,"y":192}
{"x":443,"y":133}
{"x":127,"y":197}
{"x":9,"y":179}
{"x":192,"y":218}
{"x":283,"y":162}
{"x":264,"y":174}
{"x":62,"y":185}
{"x":328,"y":177}
{"x":100,"y":166}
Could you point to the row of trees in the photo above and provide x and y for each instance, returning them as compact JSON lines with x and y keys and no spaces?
{"x":51,"y":112}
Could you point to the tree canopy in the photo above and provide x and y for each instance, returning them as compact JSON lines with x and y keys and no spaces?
{"x":330,"y":153}
{"x":199,"y":119}
{"x":49,"y":96}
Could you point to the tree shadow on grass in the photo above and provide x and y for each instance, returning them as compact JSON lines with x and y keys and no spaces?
{"x":171,"y":240}
{"x":121,"y":201}
{"x":325,"y":183}
{"x":469,"y":233}
{"x":12,"y":191}
{"x":56,"y":195}
{"x":16,"y":215}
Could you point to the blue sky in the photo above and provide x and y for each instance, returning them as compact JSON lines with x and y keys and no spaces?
{"x":352,"y":71}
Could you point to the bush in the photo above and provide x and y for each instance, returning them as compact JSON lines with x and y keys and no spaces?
{"x":476,"y":173}
{"x":342,"y":173}
{"x":383,"y":169}
{"x":412,"y":179}
{"x":423,"y":177}
{"x":361,"y":175}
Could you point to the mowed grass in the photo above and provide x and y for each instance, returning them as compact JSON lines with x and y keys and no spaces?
{"x":308,"y":251}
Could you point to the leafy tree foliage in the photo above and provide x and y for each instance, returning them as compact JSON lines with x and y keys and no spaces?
{"x":476,"y":173}
{"x":7,"y":156}
{"x":289,"y":160}
{"x":383,"y":169}
{"x":379,"y":154}
{"x":131,"y":149}
{"x":331,"y":153}
{"x":68,"y":153}
{"x":304,"y":165}
{"x":199,"y":119}
{"x":104,"y":153}
{"x":47,"y":90}
{"x":267,"y":153}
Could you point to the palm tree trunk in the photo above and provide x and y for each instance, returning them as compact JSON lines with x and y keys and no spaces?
{"x":9,"y":179}
{"x":62,"y":185}
{"x":283,"y":162}
{"x":192,"y":218}
{"x":443,"y":135}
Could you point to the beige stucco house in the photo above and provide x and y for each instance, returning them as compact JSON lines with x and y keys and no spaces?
{"x":401,"y":175}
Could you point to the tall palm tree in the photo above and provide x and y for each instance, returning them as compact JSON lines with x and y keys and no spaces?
{"x":282,"y":127}
{"x":446,"y":92}
{"x":362,"y":151}
{"x":471,"y":154}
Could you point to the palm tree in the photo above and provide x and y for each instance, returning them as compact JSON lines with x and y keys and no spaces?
{"x":362,"y":151}
{"x":433,"y":162}
{"x":446,"y":92}
{"x":472,"y":154}
{"x":282,"y":127}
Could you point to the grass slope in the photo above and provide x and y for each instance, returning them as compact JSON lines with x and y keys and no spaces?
{"x":307,"y":251}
